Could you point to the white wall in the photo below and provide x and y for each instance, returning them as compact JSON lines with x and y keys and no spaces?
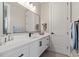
{"x":44,"y":14}
{"x":1,"y":18}
{"x":75,"y":11}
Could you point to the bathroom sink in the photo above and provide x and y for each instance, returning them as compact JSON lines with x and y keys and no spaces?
{"x":34,"y":37}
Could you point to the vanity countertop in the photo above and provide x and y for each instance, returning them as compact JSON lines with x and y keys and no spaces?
{"x":19,"y":41}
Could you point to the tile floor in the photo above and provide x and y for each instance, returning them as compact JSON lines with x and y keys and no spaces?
{"x":52,"y":54}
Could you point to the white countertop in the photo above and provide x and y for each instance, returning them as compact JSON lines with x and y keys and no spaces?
{"x":19,"y":41}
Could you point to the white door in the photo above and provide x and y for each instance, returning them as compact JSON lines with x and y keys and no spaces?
{"x":59,"y":27}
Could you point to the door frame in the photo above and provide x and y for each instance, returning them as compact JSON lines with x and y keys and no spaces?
{"x":50,"y":24}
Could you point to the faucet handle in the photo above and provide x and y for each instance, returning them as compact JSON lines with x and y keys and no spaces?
{"x":5,"y":39}
{"x":29,"y":34}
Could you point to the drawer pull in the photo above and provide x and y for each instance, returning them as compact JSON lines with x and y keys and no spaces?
{"x":40,"y":43}
{"x":21,"y":55}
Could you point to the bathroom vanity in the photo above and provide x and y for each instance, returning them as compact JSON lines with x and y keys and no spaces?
{"x":14,"y":37}
{"x":24,"y":46}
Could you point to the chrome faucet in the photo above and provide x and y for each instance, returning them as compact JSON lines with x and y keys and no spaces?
{"x":30,"y":34}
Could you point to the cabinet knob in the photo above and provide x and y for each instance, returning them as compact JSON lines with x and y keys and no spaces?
{"x":5,"y":39}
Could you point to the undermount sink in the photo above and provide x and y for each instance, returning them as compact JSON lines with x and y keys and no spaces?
{"x":20,"y":38}
{"x":34,"y":36}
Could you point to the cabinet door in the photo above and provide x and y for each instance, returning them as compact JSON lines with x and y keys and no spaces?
{"x":25,"y":51}
{"x":12,"y":53}
{"x":17,"y":52}
{"x":40,"y":47}
{"x":45,"y":43}
{"x":34,"y":49}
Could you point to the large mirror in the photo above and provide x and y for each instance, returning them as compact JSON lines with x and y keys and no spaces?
{"x":18,"y":19}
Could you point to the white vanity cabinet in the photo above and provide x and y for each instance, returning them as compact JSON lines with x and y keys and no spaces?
{"x":24,"y":51}
{"x":39,"y":46}
{"x":44,"y":44}
{"x":17,"y":52}
{"x":32,"y":49}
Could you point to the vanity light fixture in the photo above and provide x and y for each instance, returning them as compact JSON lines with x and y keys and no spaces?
{"x":28,"y":5}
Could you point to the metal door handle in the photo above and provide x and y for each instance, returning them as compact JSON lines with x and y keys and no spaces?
{"x":52,"y":33}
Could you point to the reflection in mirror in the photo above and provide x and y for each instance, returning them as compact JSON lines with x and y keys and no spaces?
{"x":5,"y":20}
{"x":18,"y":19}
{"x":32,"y":22}
{"x":24,"y":20}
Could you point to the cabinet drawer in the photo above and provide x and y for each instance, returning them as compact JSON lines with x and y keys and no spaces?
{"x":46,"y":40}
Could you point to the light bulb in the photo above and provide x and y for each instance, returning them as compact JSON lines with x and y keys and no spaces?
{"x":34,"y":7}
{"x":27,"y":3}
{"x":31,"y":5}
